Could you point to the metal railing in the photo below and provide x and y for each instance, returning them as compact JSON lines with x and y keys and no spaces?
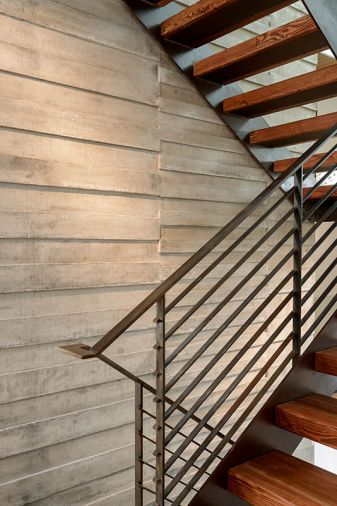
{"x":219,"y":358}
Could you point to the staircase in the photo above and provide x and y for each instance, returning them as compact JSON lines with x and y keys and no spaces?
{"x":205,"y":436}
{"x":302,"y":406}
{"x":185,"y":34}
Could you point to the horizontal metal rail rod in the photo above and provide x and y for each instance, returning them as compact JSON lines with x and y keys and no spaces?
{"x":227,"y":346}
{"x":228,"y":274}
{"x":317,"y":302}
{"x":229,"y":250}
{"x":233,"y":339}
{"x":320,"y":280}
{"x":320,"y":202}
{"x":238,"y":423}
{"x":319,"y":243}
{"x":167,"y":474}
{"x":171,"y":452}
{"x":229,"y":320}
{"x":236,"y":405}
{"x":161,"y":290}
{"x":325,"y":157}
{"x":329,"y":307}
{"x":149,"y":490}
{"x":171,"y":427}
{"x":228,"y":390}
{"x":319,"y":183}
{"x":147,"y":387}
{"x":230,"y":366}
{"x":318,"y":262}
{"x":319,"y":222}
{"x":225,"y":301}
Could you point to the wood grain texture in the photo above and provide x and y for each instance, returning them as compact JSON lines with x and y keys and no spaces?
{"x":321,"y":192}
{"x":294,"y":92}
{"x":207,"y":20}
{"x":281,"y":45}
{"x":85,"y":20}
{"x":31,"y":104}
{"x":76,"y":62}
{"x":283,"y":165}
{"x":326,"y":361}
{"x":277,"y":479}
{"x":294,"y":133}
{"x":313,"y":417}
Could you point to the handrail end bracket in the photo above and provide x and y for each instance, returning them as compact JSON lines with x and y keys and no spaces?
{"x":81,"y":351}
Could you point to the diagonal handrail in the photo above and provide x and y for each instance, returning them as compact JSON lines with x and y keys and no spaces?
{"x":111,"y":336}
{"x":192,"y":417}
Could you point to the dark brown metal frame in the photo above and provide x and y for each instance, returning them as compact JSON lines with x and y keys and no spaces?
{"x":263,"y":435}
{"x":166,"y":407}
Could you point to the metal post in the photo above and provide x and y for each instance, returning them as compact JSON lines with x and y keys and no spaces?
{"x":297,"y":286}
{"x":139,"y":449}
{"x":160,"y":402}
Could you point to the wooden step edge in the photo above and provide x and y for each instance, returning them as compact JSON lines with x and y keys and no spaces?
{"x":296,"y":132}
{"x":326,"y":361}
{"x":321,"y":192}
{"x":283,"y":165}
{"x":277,"y":479}
{"x":313,"y":417}
{"x":208,"y":20}
{"x":281,"y":45}
{"x":294,"y":92}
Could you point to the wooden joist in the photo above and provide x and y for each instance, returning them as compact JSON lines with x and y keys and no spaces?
{"x":313,"y":417}
{"x":277,"y":479}
{"x":294,"y":133}
{"x":207,"y":20}
{"x":297,"y":91}
{"x":283,"y":165}
{"x":281,"y":45}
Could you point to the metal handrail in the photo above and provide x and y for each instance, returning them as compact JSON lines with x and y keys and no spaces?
{"x":231,"y":271}
{"x":232,"y":341}
{"x":303,"y":320}
{"x":196,"y":414}
{"x":186,"y":441}
{"x":166,"y":285}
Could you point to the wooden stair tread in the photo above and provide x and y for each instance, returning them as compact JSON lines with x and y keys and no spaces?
{"x":294,"y":133}
{"x":283,"y":165}
{"x":277,"y":479}
{"x":207,"y":20}
{"x":281,"y":45}
{"x":297,"y":91}
{"x":326,"y":361}
{"x":321,"y":192}
{"x":313,"y":417}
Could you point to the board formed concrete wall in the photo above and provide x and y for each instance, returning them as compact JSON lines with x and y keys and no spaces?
{"x":113,"y":170}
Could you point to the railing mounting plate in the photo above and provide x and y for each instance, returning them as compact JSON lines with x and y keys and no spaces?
{"x":81,"y":351}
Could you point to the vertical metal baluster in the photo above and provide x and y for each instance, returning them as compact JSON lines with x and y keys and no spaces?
{"x":297,"y":286}
{"x":160,"y":403}
{"x":139,"y":449}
